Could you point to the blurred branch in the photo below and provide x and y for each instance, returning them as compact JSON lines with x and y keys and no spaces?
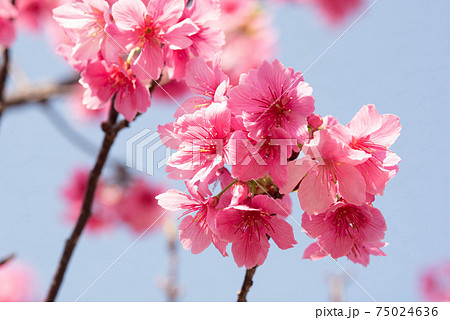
{"x":71,"y":134}
{"x":39,"y":93}
{"x":171,"y":284}
{"x":67,"y":131}
{"x":336,"y":287}
{"x":7,"y":259}
{"x":111,"y":128}
{"x":248,"y":282}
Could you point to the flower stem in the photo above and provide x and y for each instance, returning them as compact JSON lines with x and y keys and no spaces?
{"x":226,"y":188}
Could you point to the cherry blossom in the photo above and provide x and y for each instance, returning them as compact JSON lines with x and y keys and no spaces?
{"x":247,"y":226}
{"x":196,"y":230}
{"x":345,"y":230}
{"x":7,"y":28}
{"x":102,"y":82}
{"x":435,"y":282}
{"x":148,"y":28}
{"x":18,"y":282}
{"x":139,"y":208}
{"x":272,"y":97}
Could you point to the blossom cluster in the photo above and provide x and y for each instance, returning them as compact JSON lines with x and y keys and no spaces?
{"x":118,"y":52}
{"x":123,"y":47}
{"x":248,"y":138}
{"x":130,"y":203}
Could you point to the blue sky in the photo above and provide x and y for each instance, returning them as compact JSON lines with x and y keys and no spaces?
{"x":395,"y":57}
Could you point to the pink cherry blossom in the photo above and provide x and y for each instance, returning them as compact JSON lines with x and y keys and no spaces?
{"x":203,"y":136}
{"x":196,"y":230}
{"x":328,"y":171}
{"x":105,"y":202}
{"x":90,"y":26}
{"x":18,"y":282}
{"x":206,"y":43}
{"x":34,"y":14}
{"x":374,"y":134}
{"x":102,"y":82}
{"x":210,"y":84}
{"x":345,"y":230}
{"x":139,"y":208}
{"x":272,"y":97}
{"x":435,"y":282}
{"x":250,"y":36}
{"x":336,"y":10}
{"x":7,"y":29}
{"x":150,"y":27}
{"x":247,"y":226}
{"x":254,"y":159}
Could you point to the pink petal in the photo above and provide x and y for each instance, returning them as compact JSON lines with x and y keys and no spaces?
{"x":366,"y":121}
{"x":129,"y":14}
{"x":314,"y":252}
{"x":317,"y":192}
{"x":351,"y":184}
{"x":296,"y":170}
{"x":193,"y":236}
{"x":389,"y":131}
{"x":150,"y":62}
{"x":177,"y":36}
{"x":249,"y":254}
{"x":174,"y":200}
{"x":282,"y":233}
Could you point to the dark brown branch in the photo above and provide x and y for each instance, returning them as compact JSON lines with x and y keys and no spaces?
{"x":3,"y":76}
{"x":111,"y":129}
{"x":7,"y":259}
{"x":248,"y":282}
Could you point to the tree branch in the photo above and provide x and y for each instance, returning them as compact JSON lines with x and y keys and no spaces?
{"x":111,"y":129}
{"x":172,"y":289}
{"x":248,"y":282}
{"x":39,"y":93}
{"x":3,"y":76}
{"x":7,"y":259}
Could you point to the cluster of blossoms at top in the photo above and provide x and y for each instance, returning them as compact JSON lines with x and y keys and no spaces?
{"x":248,"y":138}
{"x":123,"y":47}
{"x":30,"y":15}
{"x":124,"y":201}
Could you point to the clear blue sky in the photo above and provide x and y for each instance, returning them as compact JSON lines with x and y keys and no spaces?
{"x":396,"y":56}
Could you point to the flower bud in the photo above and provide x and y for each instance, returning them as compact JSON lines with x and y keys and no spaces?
{"x":315,"y":121}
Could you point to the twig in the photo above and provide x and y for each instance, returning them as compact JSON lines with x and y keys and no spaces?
{"x":7,"y":259}
{"x":40,"y":93}
{"x":111,"y":129}
{"x":172,"y":286}
{"x":248,"y":282}
{"x":3,"y":76}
